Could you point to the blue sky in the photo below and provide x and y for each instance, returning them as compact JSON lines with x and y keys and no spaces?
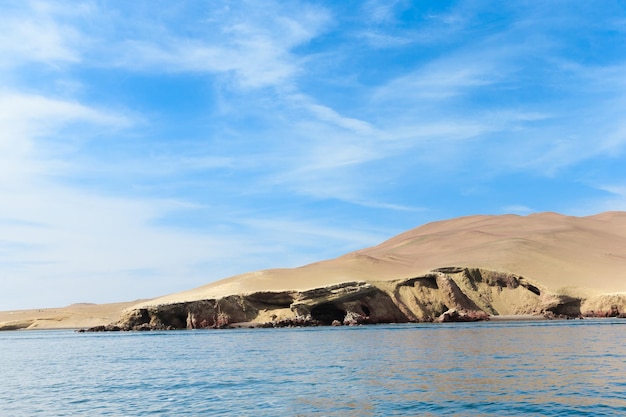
{"x":148,"y":147}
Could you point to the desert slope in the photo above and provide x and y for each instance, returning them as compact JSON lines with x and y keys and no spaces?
{"x":556,"y":251}
{"x":481,"y":266}
{"x":562,"y":253}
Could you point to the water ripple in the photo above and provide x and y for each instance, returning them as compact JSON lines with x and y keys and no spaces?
{"x":501,"y":369}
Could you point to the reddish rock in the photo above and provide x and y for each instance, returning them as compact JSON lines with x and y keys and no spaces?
{"x":454,"y":315}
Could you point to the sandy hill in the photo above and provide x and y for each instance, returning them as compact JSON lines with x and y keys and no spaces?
{"x":562,"y":253}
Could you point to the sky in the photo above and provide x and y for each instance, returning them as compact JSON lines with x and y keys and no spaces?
{"x":149,"y":147}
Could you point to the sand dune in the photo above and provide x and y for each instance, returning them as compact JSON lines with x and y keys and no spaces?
{"x":573,"y":255}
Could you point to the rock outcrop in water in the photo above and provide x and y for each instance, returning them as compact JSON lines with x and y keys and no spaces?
{"x":445,"y":294}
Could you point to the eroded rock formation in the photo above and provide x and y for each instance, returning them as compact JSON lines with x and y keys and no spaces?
{"x":445,"y":294}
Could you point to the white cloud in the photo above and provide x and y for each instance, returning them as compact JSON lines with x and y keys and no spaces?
{"x":616,"y":190}
{"x":302,"y":232}
{"x":38,"y":41}
{"x":444,"y":79}
{"x":35,"y":114}
{"x":254,"y":45}
{"x":384,"y":28}
{"x":253,"y":65}
{"x":518,"y":209}
{"x":325,"y":113}
{"x":614,"y":200}
{"x":388,"y":206}
{"x":35,"y":33}
{"x":377,"y":11}
{"x":56,"y":234}
{"x":25,"y":118}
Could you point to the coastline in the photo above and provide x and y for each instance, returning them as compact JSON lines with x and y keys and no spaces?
{"x":518,"y":317}
{"x":72,"y":317}
{"x":86,"y":326}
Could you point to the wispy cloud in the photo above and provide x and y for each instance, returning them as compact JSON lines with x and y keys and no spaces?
{"x":378,"y":11}
{"x":28,"y":124}
{"x":249,"y":42}
{"x":610,"y":196}
{"x":35,"y":36}
{"x":385,"y":29}
{"x":518,"y":209}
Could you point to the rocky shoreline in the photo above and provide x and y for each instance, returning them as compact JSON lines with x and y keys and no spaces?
{"x":452,"y":294}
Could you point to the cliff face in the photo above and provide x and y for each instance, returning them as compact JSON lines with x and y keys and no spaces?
{"x":445,"y":294}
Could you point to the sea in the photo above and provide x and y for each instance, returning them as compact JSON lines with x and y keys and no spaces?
{"x":534,"y":368}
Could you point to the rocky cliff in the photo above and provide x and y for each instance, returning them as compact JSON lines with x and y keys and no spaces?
{"x":444,"y":294}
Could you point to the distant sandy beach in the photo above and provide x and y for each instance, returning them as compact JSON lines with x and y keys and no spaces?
{"x":75,"y":316}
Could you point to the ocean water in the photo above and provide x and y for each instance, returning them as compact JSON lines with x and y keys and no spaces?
{"x":545,"y":368}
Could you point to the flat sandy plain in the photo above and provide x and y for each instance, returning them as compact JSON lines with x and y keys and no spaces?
{"x":74,"y":316}
{"x":577,"y":256}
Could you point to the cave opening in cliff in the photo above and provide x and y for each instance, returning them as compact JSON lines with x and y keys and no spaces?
{"x":175,"y":318}
{"x":326,"y":313}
